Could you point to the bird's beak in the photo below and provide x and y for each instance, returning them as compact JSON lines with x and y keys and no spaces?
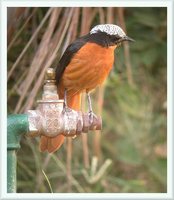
{"x":128,"y":39}
{"x":125,"y":38}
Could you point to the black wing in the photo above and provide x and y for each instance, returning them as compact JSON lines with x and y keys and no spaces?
{"x":68,"y":55}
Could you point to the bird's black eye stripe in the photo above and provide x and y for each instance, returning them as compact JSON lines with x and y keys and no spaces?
{"x":114,"y":38}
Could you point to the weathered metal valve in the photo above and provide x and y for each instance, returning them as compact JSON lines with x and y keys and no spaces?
{"x":51,"y":119}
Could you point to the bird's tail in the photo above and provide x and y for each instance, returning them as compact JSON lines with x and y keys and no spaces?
{"x":52,"y":144}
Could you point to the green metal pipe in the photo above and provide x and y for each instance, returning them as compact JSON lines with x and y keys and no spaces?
{"x":17,"y":125}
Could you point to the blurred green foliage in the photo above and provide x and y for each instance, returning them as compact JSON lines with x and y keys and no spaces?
{"x":137,"y":116}
{"x":134,"y":120}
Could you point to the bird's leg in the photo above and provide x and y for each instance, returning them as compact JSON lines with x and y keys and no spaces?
{"x":65,"y":106}
{"x":91,"y":113}
{"x":66,"y":109}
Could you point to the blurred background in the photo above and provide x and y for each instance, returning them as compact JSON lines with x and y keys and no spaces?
{"x":129,"y":154}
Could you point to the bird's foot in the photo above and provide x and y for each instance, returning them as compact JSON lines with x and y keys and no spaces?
{"x":92,"y":116}
{"x":66,"y":109}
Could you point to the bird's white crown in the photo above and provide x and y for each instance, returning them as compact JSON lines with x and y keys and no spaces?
{"x":110,"y":29}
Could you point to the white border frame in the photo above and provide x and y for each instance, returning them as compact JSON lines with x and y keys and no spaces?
{"x":3,"y":97}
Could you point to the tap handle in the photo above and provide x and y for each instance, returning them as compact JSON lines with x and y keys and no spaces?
{"x":50,"y":75}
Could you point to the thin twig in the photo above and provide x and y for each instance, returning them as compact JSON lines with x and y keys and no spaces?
{"x":85,"y":26}
{"x":36,"y":64}
{"x":100,"y":95}
{"x":93,"y":13}
{"x":21,"y":29}
{"x":97,"y":136}
{"x":63,"y":168}
{"x":109,"y":16}
{"x":49,"y":184}
{"x":48,"y":63}
{"x":29,"y":43}
{"x":126,"y":48}
{"x":101,"y":15}
{"x":92,"y":179}
{"x":68,"y":163}
{"x":71,"y":33}
{"x":14,"y":16}
{"x":44,"y":166}
{"x":70,"y":38}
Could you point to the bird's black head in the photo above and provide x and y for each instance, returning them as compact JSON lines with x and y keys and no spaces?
{"x":108,"y":35}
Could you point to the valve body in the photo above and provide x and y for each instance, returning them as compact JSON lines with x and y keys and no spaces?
{"x":51,"y":118}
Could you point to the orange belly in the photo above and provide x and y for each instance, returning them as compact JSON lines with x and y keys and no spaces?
{"x":88,"y":68}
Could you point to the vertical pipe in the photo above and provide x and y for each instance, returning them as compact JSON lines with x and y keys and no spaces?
{"x":16,"y":126}
{"x":11,"y":171}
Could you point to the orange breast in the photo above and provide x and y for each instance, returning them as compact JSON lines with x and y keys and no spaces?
{"x":88,"y":68}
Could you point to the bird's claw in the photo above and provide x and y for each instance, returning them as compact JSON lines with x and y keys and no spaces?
{"x":91,"y":117}
{"x":66,"y":109}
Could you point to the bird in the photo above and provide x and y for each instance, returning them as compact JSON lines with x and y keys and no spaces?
{"x":85,"y":64}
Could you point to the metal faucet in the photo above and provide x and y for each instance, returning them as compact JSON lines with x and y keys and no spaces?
{"x":49,"y":118}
